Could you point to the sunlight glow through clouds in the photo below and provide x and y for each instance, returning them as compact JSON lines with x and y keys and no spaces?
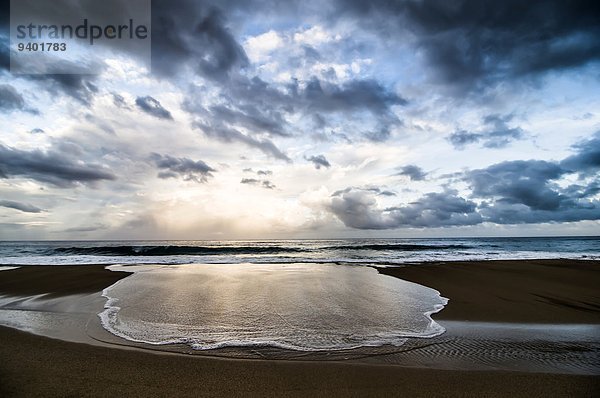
{"x":254,"y":124}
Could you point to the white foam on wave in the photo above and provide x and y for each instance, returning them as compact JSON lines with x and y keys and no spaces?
{"x":307,"y":307}
{"x":397,"y":258}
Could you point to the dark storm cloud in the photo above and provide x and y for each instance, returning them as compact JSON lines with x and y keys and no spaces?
{"x":511,"y":192}
{"x":10,"y":99}
{"x":221,"y":50}
{"x":262,"y":183}
{"x":374,"y":190}
{"x":474,"y":43}
{"x":120,"y":101}
{"x":268,"y":184}
{"x":78,"y":86}
{"x":358,"y":209}
{"x":461,"y":138}
{"x":508,"y":213}
{"x":190,"y":170}
{"x":53,"y":167}
{"x":4,"y":35}
{"x":583,"y":191}
{"x":170,"y":49}
{"x":381,"y":134}
{"x":378,"y":191}
{"x":4,"y":52}
{"x":436,"y":210}
{"x":244,"y":91}
{"x":251,"y":118}
{"x":226,"y":134}
{"x":525,"y":182}
{"x":528,"y":191}
{"x":350,"y":96}
{"x":415,"y":173}
{"x":497,"y":134}
{"x":193,"y":33}
{"x":587,"y":158}
{"x":330,"y":136}
{"x":257,"y":105}
{"x":198,"y":34}
{"x":355,"y":96}
{"x":261,"y":173}
{"x":153,"y":107}
{"x":533,"y":183}
{"x":258,"y":108}
{"x":351,"y":99}
{"x":318,"y":161}
{"x":250,"y":108}
{"x":24,"y":207}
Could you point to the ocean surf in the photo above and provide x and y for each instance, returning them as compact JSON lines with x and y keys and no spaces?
{"x":307,"y":307}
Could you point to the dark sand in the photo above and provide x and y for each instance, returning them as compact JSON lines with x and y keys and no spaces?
{"x":37,"y":366}
{"x":33,"y":366}
{"x":532,"y":291}
{"x":57,"y":281}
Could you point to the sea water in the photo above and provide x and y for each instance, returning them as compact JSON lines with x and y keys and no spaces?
{"x":379,"y":252}
{"x":306,"y":307}
{"x":301,"y":294}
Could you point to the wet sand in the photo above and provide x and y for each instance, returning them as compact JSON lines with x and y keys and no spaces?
{"x":38,"y":366}
{"x":529,"y":291}
{"x":57,"y":281}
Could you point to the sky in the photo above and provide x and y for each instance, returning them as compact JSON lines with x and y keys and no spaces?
{"x":314,"y":119}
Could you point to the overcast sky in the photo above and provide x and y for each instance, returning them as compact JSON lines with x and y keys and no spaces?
{"x":263,"y":119}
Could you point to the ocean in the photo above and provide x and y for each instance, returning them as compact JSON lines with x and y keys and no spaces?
{"x":378,"y":252}
{"x":299,"y":295}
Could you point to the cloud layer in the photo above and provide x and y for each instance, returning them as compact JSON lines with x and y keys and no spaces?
{"x":52,"y":167}
{"x":511,"y":192}
{"x":331,"y":117}
{"x":189,"y":170}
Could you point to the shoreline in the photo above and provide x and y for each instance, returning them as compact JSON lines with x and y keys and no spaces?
{"x":86,"y":370}
{"x":466,"y":360}
{"x":517,"y":291}
{"x":57,"y":280}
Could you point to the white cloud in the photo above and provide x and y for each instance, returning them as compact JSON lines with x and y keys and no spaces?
{"x":299,"y":48}
{"x":315,"y":36}
{"x":260,"y":47}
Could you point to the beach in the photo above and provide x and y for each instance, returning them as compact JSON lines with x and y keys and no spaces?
{"x":316,"y":198}
{"x":37,"y":366}
{"x":530,"y":291}
{"x":546,"y":292}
